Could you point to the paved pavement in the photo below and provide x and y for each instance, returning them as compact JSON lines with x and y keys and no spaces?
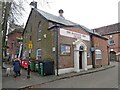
{"x":22,"y":81}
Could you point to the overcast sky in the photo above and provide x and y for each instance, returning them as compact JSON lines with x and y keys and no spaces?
{"x":90,"y":13}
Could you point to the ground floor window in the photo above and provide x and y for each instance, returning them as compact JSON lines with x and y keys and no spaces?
{"x":65,"y":49}
{"x":98,"y":54}
{"x":38,"y":54}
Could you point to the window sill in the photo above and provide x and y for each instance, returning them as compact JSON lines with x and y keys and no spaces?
{"x":39,"y":40}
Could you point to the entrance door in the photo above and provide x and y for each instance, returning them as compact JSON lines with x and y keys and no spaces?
{"x":112,"y":56}
{"x":80,"y":59}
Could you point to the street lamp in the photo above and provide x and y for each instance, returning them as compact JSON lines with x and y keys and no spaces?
{"x":20,"y":40}
{"x":33,"y":4}
{"x":30,"y":48}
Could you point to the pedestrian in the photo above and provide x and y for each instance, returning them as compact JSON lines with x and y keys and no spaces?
{"x":16,"y":67}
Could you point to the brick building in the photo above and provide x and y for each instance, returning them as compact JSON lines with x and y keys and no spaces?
{"x":0,"y":31}
{"x":112,"y":32}
{"x":73,"y":47}
{"x":13,"y":43}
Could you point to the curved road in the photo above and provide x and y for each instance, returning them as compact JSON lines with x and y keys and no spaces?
{"x":103,"y":79}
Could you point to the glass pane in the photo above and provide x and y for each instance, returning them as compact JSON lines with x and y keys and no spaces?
{"x":65,"y":49}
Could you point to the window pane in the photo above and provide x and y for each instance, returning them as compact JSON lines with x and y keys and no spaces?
{"x":98,"y":54}
{"x":38,"y":54}
{"x":39,"y":31}
{"x":62,"y":49}
{"x":111,"y":42}
{"x":65,"y":49}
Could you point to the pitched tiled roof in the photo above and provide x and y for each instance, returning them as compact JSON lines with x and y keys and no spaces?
{"x":56,"y":19}
{"x":20,"y":30}
{"x":92,"y":32}
{"x":110,"y":29}
{"x":63,"y":21}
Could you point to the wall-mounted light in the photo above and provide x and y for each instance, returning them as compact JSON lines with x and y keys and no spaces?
{"x":44,"y":35}
{"x":111,"y":36}
{"x":53,"y":49}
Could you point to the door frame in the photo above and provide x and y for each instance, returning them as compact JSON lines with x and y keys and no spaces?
{"x":81,"y":61}
{"x":77,"y":45}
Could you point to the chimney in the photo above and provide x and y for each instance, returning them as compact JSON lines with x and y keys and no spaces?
{"x":34,"y":4}
{"x":61,"y":13}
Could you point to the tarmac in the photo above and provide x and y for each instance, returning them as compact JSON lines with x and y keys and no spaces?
{"x":23,"y":82}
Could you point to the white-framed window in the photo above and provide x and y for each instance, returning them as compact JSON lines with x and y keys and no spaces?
{"x":111,"y":42}
{"x":38,"y":54}
{"x":39,"y":31}
{"x":65,"y":49}
{"x":98,"y":54}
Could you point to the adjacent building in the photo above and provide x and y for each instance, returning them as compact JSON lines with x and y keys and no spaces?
{"x":1,"y":33}
{"x":13,"y":40}
{"x":112,"y":32}
{"x":71,"y":46}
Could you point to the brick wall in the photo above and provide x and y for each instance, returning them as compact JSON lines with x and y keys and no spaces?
{"x":102,"y":45}
{"x":116,"y":46}
{"x":46,"y":44}
{"x":66,"y":61}
{"x":12,"y":37}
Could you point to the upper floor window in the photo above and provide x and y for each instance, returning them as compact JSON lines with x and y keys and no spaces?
{"x":98,"y":54}
{"x":111,"y":41}
{"x":39,"y":31}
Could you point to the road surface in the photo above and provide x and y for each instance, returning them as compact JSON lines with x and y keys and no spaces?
{"x":102,"y":79}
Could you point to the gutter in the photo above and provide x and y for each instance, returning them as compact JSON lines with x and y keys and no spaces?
{"x":92,"y":52}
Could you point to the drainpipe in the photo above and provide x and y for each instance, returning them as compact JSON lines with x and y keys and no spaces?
{"x":56,"y":29}
{"x":108,"y":55}
{"x":56,"y":49}
{"x":92,"y":46}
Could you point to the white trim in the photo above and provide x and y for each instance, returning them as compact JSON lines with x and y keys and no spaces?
{"x":37,"y":54}
{"x":63,"y":71}
{"x":89,"y":66}
{"x":118,"y":53}
{"x":77,"y":44}
{"x":72,"y":34}
{"x":111,"y":49}
{"x":20,"y":51}
{"x":98,"y":52}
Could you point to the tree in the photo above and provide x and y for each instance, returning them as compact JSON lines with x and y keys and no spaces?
{"x":11,"y":13}
{"x":5,"y":14}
